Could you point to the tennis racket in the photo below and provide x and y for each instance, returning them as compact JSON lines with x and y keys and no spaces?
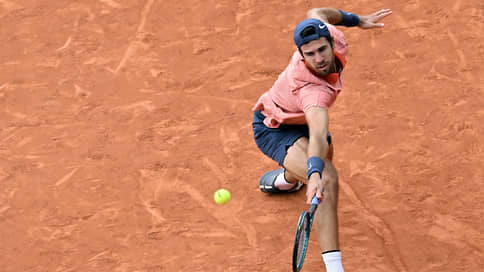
{"x":302,"y":235}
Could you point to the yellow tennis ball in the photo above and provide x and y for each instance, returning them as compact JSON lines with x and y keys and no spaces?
{"x":221,"y":196}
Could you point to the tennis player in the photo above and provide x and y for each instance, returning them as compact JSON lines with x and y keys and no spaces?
{"x":291,"y":119}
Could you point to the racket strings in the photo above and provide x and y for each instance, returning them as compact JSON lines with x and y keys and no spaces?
{"x":302,"y":236}
{"x":302,"y":241}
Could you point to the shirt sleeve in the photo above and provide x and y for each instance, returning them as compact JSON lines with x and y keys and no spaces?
{"x":315,"y":96}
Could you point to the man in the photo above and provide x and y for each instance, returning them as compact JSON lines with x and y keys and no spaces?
{"x":291,"y":119}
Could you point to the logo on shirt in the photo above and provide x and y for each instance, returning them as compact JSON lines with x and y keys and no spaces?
{"x":322,"y":26}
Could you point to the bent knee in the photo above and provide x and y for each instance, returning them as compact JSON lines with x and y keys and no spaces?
{"x":331,"y":177}
{"x":332,"y":182}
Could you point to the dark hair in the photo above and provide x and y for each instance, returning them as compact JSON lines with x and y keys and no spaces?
{"x":310,"y":30}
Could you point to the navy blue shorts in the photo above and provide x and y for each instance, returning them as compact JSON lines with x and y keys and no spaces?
{"x":274,"y":142}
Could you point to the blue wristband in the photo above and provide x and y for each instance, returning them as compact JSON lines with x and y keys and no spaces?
{"x":349,"y":19}
{"x":315,"y":164}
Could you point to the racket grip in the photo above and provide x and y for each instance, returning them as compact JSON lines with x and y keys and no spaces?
{"x":315,"y":201}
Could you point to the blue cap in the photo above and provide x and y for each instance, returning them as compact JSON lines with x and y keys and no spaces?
{"x":320,"y":29}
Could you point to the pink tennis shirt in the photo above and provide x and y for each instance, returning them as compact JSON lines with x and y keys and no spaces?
{"x":298,"y":89}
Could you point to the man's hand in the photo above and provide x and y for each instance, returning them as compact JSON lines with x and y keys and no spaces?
{"x":371,"y":21}
{"x":315,"y":187}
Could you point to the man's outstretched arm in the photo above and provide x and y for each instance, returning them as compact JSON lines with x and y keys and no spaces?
{"x":339,"y":17}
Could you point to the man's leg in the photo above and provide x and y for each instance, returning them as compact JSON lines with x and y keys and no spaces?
{"x":326,"y":218}
{"x":295,"y":160}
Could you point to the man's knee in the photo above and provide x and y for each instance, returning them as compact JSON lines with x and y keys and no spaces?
{"x":330,"y":171}
{"x":331,"y":178}
{"x":333,"y":186}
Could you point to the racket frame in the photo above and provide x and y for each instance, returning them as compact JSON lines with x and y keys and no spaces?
{"x":305,"y":215}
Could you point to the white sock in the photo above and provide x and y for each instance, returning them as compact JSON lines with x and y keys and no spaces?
{"x":282,"y":184}
{"x":332,"y":260}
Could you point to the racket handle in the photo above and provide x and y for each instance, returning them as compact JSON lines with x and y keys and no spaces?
{"x":315,"y":201}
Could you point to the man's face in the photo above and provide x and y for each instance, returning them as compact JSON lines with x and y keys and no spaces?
{"x":319,"y":56}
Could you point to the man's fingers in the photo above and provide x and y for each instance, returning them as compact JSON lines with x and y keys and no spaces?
{"x":319,"y":194}
{"x":380,"y":14}
{"x":384,"y":13}
{"x":372,"y":25}
{"x":309,"y":195}
{"x":308,"y":201}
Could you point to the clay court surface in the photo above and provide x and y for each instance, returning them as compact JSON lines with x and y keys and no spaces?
{"x":119,"y":119}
